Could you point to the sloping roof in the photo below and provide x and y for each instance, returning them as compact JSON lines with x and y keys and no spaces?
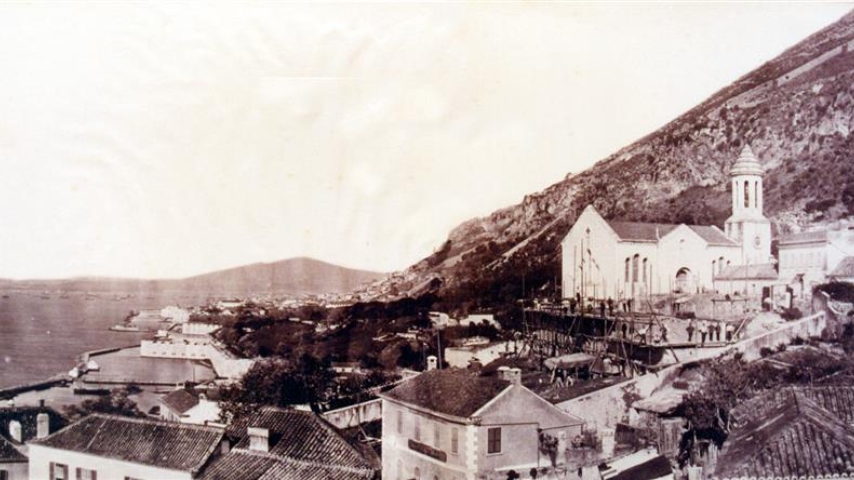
{"x":180,"y":401}
{"x":816,"y":236}
{"x":640,"y":232}
{"x":452,"y":392}
{"x":845,"y":269}
{"x":173,"y":446}
{"x":657,"y":467}
{"x":304,"y":437}
{"x":712,"y":235}
{"x":792,"y":437}
{"x":9,"y":454}
{"x":762,"y":271}
{"x":242,"y":464}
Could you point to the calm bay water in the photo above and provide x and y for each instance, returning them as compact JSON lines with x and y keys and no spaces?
{"x":42,"y":335}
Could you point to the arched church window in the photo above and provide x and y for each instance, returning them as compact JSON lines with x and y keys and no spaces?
{"x":720,"y":265}
{"x":644,"y":270}
{"x":635,"y":261}
{"x":714,"y":262}
{"x":627,"y":269}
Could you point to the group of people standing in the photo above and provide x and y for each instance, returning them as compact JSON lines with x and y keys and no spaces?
{"x":712,"y":330}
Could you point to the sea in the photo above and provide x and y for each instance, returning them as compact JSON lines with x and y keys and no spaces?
{"x":44,"y":333}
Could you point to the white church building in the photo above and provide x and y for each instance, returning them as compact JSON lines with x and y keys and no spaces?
{"x":606,"y":258}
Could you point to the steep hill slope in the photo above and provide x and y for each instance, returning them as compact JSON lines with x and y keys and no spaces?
{"x":797,"y":113}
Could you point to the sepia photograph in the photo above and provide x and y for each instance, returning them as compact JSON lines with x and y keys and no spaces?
{"x":426,"y":240}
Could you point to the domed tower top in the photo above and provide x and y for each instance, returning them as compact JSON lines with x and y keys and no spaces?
{"x":748,"y":225}
{"x":746,"y":164}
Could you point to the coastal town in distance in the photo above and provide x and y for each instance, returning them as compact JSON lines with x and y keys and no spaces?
{"x":681,"y":309}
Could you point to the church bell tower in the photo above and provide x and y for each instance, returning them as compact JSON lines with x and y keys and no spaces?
{"x":747,"y":225}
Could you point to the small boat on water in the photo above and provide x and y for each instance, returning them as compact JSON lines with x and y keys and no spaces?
{"x":124,"y":328}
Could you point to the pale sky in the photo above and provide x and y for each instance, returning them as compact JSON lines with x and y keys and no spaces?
{"x":152,"y":140}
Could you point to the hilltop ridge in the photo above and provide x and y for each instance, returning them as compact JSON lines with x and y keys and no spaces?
{"x":797,"y":113}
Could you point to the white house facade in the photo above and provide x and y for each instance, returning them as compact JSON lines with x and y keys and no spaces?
{"x":630,"y":260}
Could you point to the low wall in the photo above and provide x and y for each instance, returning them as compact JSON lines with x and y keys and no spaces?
{"x":608,"y":406}
{"x":355,"y":415}
{"x":225,"y":365}
{"x":811,"y":326}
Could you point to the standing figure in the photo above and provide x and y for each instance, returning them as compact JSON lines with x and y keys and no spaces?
{"x":663,"y":333}
{"x":704,"y":329}
{"x":610,"y":306}
{"x":729,"y":331}
{"x":690,"y":329}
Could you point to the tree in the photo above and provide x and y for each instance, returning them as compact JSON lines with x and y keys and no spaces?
{"x":279,"y":383}
{"x":707,"y":410}
{"x":116,"y":403}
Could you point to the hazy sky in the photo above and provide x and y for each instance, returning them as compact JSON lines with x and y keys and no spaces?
{"x":152,"y":140}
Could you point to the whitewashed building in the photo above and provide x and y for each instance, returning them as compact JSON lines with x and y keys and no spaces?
{"x":107,"y":447}
{"x":608,"y":258}
{"x":454,"y":425}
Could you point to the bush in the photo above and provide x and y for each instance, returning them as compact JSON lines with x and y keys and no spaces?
{"x":765,"y":352}
{"x":790,"y":314}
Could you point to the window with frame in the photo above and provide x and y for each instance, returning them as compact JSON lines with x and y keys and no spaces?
{"x":437,"y":435}
{"x":399,"y":422}
{"x":417,"y":434}
{"x":493,"y":440}
{"x":58,"y":471}
{"x":4,"y":475}
{"x":455,"y":440}
{"x":86,"y":474}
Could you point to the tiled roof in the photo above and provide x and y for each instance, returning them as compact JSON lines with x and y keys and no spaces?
{"x":712,"y":235}
{"x":9,"y":454}
{"x":640,"y":232}
{"x":762,"y":271}
{"x":173,"y":446}
{"x":452,"y":392}
{"x":816,"y":236}
{"x":304,"y":437}
{"x":242,"y":464}
{"x":27,"y":416}
{"x":794,"y":436}
{"x":180,"y":401}
{"x":845,"y":269}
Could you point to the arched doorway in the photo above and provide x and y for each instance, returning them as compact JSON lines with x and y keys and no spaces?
{"x":683,"y":281}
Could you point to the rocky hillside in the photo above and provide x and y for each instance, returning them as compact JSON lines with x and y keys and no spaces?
{"x":797,"y":113}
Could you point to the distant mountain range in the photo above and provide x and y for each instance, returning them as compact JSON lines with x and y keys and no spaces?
{"x":797,"y":113}
{"x":296,"y":276}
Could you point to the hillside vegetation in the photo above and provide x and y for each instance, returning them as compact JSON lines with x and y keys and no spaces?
{"x":797,"y":113}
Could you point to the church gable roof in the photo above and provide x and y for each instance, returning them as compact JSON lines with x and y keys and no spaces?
{"x":640,"y":232}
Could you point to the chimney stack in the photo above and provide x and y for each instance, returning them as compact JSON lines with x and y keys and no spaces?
{"x":259,"y":439}
{"x":42,"y":425}
{"x":515,"y":376}
{"x":432,"y":361}
{"x":15,"y":431}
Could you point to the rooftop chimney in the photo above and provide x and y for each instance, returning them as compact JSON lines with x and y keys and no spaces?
{"x":15,"y":430}
{"x":42,"y":425}
{"x":515,"y":376}
{"x":512,"y":375}
{"x":432,"y":361}
{"x":259,"y":439}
